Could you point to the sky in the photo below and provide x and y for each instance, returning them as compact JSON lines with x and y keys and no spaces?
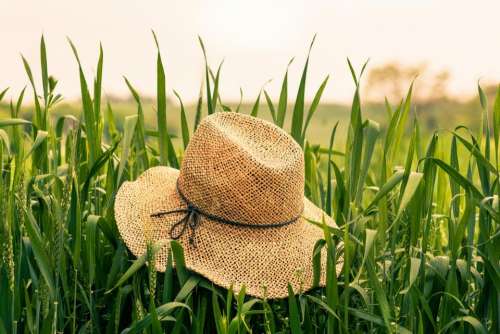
{"x":255,"y":39}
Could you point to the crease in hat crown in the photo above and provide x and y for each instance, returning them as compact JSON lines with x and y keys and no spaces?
{"x":243,"y":169}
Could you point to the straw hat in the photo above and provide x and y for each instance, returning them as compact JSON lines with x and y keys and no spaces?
{"x":237,"y":206}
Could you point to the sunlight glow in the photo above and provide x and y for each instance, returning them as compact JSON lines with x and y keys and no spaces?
{"x":252,"y":24}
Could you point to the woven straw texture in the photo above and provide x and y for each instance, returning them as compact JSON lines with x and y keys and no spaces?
{"x":238,"y":168}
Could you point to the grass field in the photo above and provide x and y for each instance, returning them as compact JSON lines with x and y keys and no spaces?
{"x":417,"y":210}
{"x":432,"y":114}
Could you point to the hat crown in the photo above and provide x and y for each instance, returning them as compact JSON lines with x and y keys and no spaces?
{"x":243,"y":169}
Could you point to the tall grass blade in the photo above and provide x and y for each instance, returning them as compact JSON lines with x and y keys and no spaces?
{"x":314,"y":105}
{"x":140,"y":127}
{"x":283,"y":99}
{"x":128,"y":134}
{"x":329,"y":189}
{"x":298,"y":110}
{"x":161,"y":112}
{"x":270,"y":105}
{"x":184,"y":125}
{"x":255,"y":108}
{"x":207,"y":79}
{"x":294,"y":312}
{"x":3,"y":92}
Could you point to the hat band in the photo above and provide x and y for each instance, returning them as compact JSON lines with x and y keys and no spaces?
{"x":192,"y":215}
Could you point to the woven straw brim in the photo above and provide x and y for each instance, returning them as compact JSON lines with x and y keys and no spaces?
{"x":264,"y":260}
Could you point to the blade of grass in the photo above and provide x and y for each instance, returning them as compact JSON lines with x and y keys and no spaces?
{"x":207,"y":79}
{"x":140,"y":127}
{"x":184,"y":125}
{"x":270,"y":106}
{"x":293,"y":312}
{"x":283,"y":99}
{"x":128,"y":134}
{"x":161,"y":108}
{"x":3,"y":92}
{"x":255,"y":108}
{"x":329,"y":189}
{"x":298,"y":110}
{"x":314,"y":105}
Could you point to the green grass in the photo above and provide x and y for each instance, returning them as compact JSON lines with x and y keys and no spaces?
{"x":418,"y":215}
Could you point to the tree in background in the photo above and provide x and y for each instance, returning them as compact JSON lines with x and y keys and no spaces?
{"x":392,"y":79}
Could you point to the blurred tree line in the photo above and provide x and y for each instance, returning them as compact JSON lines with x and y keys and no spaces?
{"x":392,"y":80}
{"x":433,"y":103}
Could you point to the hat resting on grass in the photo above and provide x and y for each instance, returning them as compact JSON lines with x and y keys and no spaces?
{"x":236,"y":205}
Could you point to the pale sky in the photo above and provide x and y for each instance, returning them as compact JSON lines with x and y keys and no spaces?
{"x":256,"y":38}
